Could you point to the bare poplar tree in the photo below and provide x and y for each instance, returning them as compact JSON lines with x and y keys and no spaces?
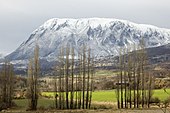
{"x":56,"y":90}
{"x":80,"y":81}
{"x":88,"y":79}
{"x":61,"y":74}
{"x":91,"y":85}
{"x":33,"y":84}
{"x":134,"y":75}
{"x":60,"y":87}
{"x":72,"y":81}
{"x":143,"y":63}
{"x":11,"y":84}
{"x":76,"y":89}
{"x":130,"y":77}
{"x":84,"y":74}
{"x":138,"y":78}
{"x":121,"y":79}
{"x":30,"y":89}
{"x":150,"y":89}
{"x":125,"y":78}
{"x":63,"y":77}
{"x":118,"y":92}
{"x":67,"y":76}
{"x":36,"y":75}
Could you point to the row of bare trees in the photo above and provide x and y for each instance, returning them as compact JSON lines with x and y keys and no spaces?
{"x":6,"y":85}
{"x":74,"y":81}
{"x":134,"y":83}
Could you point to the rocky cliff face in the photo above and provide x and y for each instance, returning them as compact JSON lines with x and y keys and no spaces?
{"x":104,"y":36}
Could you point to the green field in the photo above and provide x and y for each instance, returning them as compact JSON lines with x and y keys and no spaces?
{"x":161,"y":94}
{"x":110,"y":96}
{"x":105,"y":72}
{"x":98,"y":96}
{"x":104,"y":96}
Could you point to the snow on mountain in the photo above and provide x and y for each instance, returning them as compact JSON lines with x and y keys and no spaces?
{"x":105,"y":37}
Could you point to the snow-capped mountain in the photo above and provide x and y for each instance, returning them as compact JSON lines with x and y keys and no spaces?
{"x":104,"y":36}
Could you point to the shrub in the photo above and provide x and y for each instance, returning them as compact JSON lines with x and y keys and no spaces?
{"x":155,"y":100}
{"x":166,"y":102}
{"x":3,"y":106}
{"x":41,"y":108}
{"x":102,"y":106}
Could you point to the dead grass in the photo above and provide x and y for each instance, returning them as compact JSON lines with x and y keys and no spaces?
{"x":92,"y":111}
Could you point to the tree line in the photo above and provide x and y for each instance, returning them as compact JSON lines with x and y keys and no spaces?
{"x":73,"y":84}
{"x":134,"y":82}
{"x":6,"y":85}
{"x":74,"y":81}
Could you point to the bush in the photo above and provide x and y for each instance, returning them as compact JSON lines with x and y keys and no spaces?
{"x":155,"y":100}
{"x":102,"y":106}
{"x":41,"y":108}
{"x":3,"y":106}
{"x":166,"y":102}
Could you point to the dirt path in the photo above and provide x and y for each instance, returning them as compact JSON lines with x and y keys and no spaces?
{"x":89,"y":111}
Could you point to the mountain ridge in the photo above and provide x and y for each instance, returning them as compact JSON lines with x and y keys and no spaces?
{"x":104,"y":35}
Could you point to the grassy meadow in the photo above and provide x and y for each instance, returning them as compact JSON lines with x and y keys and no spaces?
{"x":110,"y":96}
{"x":23,"y":103}
{"x":98,"y":96}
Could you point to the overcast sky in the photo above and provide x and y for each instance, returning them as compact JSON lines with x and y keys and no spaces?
{"x":18,"y":18}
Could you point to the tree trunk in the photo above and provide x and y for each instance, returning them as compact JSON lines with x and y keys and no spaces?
{"x":88,"y":79}
{"x":67,"y":76}
{"x":72,"y":81}
{"x":84,"y":74}
{"x":91,"y":85}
